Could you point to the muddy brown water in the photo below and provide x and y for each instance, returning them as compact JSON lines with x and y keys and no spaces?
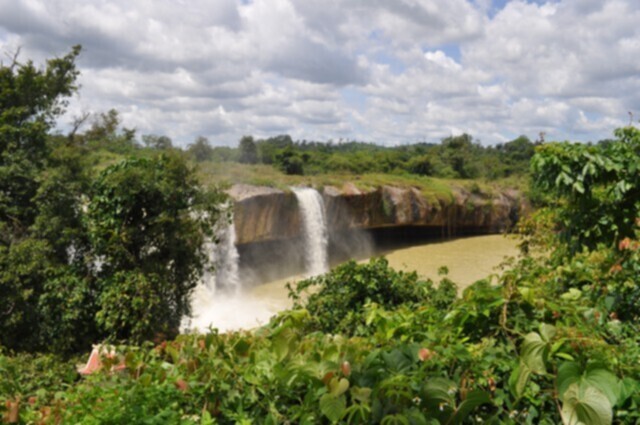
{"x":468,"y":260}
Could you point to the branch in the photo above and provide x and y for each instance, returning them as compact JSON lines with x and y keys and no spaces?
{"x":77,"y":123}
{"x":14,"y":58}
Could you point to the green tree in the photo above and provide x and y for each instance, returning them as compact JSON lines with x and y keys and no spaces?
{"x":200,"y":150}
{"x":248,"y":150}
{"x":157,"y":142}
{"x":268,"y":148}
{"x":147,"y":221}
{"x":458,"y":153}
{"x":289,"y":161}
{"x":30,"y":100}
{"x":83,"y":260}
{"x":596,"y":188}
{"x":421,"y":165}
{"x":105,"y":133}
{"x":520,"y":149}
{"x":40,"y":230}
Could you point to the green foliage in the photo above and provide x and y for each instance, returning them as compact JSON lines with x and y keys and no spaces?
{"x":105,"y":133}
{"x":147,"y":219}
{"x":30,"y":99}
{"x":289,"y":162}
{"x":86,"y":257}
{"x":455,"y":157}
{"x":200,"y":150}
{"x":248,"y":150}
{"x":338,"y":305}
{"x":157,"y":142}
{"x":586,"y":178}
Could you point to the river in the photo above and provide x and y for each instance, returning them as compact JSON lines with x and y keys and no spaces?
{"x":468,"y":260}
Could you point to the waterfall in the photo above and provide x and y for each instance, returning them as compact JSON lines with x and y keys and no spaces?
{"x":219,"y":286}
{"x":314,"y":230}
{"x":226,"y":258}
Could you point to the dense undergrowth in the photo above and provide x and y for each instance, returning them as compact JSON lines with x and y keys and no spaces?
{"x":539,"y":347}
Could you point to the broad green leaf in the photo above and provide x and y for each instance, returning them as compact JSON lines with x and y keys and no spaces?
{"x":585,"y":404}
{"x":474,"y":399}
{"x":363,"y":395}
{"x":416,"y":417}
{"x":572,"y":295}
{"x":281,"y":344}
{"x":519,"y":378}
{"x":333,"y":407}
{"x":628,"y":387}
{"x":533,"y":352}
{"x":568,"y":373}
{"x":547,"y":332}
{"x":338,"y":387}
{"x":604,"y":381}
{"x":439,"y":391}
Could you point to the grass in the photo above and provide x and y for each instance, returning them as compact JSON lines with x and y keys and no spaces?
{"x":433,"y":189}
{"x":224,"y":174}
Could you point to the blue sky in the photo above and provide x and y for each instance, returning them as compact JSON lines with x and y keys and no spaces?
{"x":389,"y":71}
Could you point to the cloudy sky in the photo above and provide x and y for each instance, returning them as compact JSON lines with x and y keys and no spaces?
{"x":387,"y":71}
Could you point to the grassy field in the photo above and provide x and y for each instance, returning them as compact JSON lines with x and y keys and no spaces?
{"x":228,"y":173}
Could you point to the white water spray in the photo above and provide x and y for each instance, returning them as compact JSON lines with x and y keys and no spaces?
{"x":213,"y":302}
{"x":226,"y":258}
{"x":314,"y":230}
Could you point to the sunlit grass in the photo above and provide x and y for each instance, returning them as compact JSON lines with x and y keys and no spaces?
{"x":433,"y":189}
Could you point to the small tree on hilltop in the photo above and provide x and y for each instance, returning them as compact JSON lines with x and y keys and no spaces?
{"x":248,"y":150}
{"x":200,"y":150}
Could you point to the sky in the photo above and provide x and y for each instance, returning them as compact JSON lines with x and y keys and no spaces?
{"x":383,"y":71}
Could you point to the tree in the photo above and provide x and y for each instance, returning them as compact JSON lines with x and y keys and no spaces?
{"x":30,"y":100}
{"x":458,"y":153}
{"x":39,"y":200}
{"x":84,"y":260}
{"x":520,"y":150}
{"x":157,"y":142}
{"x":289,"y":161}
{"x":147,"y":220}
{"x":597,"y":188}
{"x":268,"y":148}
{"x":421,"y":165}
{"x":248,"y":150}
{"x":200,"y":150}
{"x":105,"y":133}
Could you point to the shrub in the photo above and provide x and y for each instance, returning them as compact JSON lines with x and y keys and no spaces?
{"x":338,"y":306}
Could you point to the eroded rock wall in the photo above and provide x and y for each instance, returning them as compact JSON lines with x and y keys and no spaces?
{"x":265,"y":214}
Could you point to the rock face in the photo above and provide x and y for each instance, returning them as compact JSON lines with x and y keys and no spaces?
{"x":264,"y":214}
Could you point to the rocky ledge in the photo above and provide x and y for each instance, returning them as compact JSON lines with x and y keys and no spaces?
{"x":265,"y":214}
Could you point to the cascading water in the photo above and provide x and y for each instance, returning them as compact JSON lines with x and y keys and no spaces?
{"x":314,"y":230}
{"x":226,"y":260}
{"x":219,"y":300}
{"x":219,"y":284}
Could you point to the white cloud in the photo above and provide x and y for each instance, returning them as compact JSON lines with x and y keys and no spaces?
{"x":413,"y":69}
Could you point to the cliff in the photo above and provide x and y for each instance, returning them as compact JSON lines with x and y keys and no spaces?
{"x":264,"y":214}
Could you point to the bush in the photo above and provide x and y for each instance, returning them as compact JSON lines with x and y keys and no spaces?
{"x":338,"y":306}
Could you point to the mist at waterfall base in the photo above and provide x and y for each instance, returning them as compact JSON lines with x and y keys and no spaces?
{"x":225,"y":298}
{"x":219,"y":300}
